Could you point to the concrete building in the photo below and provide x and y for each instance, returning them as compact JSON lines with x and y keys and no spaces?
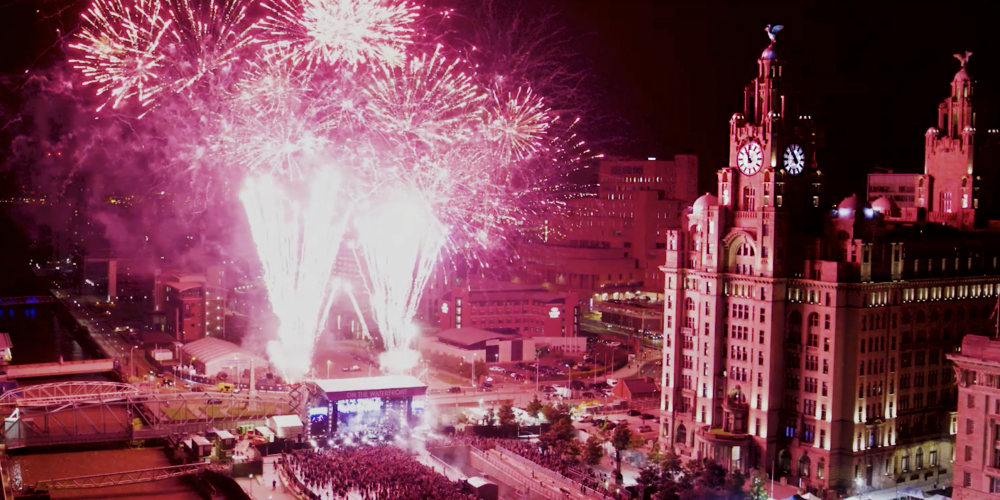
{"x":190,"y":306}
{"x":528,"y":310}
{"x":609,"y":246}
{"x":900,"y":188}
{"x":977,"y":426}
{"x":806,"y":342}
{"x":476,"y":344}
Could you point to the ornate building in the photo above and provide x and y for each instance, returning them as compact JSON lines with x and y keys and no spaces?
{"x":807,"y":342}
{"x":977,"y":447}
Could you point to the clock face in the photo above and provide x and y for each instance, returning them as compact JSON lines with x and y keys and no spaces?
{"x":795,"y":159}
{"x":750,"y":158}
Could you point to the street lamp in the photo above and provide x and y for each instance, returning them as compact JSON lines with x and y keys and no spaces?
{"x":251,"y":485}
{"x":328,"y":368}
{"x":131,"y":361}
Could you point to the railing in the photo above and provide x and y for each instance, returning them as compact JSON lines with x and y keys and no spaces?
{"x":121,"y":478}
{"x":513,"y":475}
{"x":548,"y":472}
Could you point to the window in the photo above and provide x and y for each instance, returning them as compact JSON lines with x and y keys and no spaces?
{"x":760,"y":379}
{"x":972,"y":401}
{"x":822,"y":412}
{"x":826,"y":344}
{"x":826,"y":366}
{"x":968,"y":453}
{"x":966,"y":479}
{"x":970,"y":426}
{"x":826,"y":322}
{"x":809,"y":408}
{"x":757,"y":427}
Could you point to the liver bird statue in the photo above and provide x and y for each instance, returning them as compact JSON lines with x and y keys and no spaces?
{"x":964,"y":58}
{"x":772,"y":31}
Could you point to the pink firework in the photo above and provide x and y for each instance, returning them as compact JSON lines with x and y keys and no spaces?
{"x":517,"y":124}
{"x":349,"y":32}
{"x":428,"y":101}
{"x":119,"y":45}
{"x":206,"y":39}
{"x":297,"y":235}
{"x":399,"y":239}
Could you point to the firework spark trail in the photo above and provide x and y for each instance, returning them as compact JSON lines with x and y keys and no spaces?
{"x":517,"y":124}
{"x":399,"y":240}
{"x":120,"y":49}
{"x":297,"y":240}
{"x":351,"y":32}
{"x":206,"y":36}
{"x":427,"y":101}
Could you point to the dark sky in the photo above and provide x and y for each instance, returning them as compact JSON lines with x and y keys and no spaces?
{"x":871,"y":73}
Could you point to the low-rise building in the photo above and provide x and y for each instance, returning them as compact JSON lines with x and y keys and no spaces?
{"x":527,"y":310}
{"x":476,"y":344}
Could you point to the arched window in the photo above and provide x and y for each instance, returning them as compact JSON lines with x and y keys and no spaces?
{"x":689,"y":304}
{"x":785,"y":462}
{"x":681,"y":434}
{"x":804,"y":466}
{"x":813,"y":320}
{"x":920,"y":458}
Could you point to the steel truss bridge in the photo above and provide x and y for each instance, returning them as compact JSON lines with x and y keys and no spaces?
{"x":123,"y":478}
{"x":89,"y":412}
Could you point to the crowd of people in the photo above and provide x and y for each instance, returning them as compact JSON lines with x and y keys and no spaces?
{"x":374,"y":472}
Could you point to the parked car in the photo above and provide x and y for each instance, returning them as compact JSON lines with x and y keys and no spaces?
{"x":588,"y":395}
{"x":634,"y":413}
{"x":645,"y":428}
{"x":647,"y":416}
{"x":214,"y":402}
{"x":454,"y":390}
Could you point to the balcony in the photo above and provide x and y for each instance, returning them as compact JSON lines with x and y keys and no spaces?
{"x":719,"y":436}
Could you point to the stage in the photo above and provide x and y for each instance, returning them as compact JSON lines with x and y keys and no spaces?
{"x":366,"y":407}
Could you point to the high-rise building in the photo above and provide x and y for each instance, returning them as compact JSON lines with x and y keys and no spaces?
{"x":808,"y":342}
{"x":608,"y":247}
{"x":190,"y":306}
{"x":977,"y":427}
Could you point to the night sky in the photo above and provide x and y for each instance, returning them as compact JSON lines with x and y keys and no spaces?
{"x":673,"y":72}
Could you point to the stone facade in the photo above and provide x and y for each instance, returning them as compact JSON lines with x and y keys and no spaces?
{"x":811,"y":342}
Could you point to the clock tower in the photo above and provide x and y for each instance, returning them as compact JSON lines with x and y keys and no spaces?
{"x":772,"y":164}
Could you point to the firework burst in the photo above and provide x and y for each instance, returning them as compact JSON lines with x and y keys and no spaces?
{"x":517,"y":123}
{"x":119,"y":45}
{"x":349,"y":32}
{"x":206,"y":38}
{"x":427,"y":101}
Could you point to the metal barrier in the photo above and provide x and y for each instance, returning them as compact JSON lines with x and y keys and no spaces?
{"x":576,"y":485}
{"x":528,"y":487}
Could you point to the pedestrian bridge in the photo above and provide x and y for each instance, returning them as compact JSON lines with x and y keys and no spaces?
{"x":26,"y":300}
{"x":60,"y":368}
{"x":91,"y":412}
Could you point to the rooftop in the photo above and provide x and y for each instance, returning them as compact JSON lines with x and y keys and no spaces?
{"x":211,"y":348}
{"x":468,"y":336}
{"x":639,"y":385}
{"x":372,"y":387}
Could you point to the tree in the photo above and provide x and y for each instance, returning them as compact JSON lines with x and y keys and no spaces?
{"x":655,"y":455}
{"x":621,"y":440}
{"x":758,"y":486}
{"x":734,"y":484}
{"x":554,"y":413}
{"x":534,"y":407}
{"x":594,"y":450}
{"x":506,"y":417}
{"x":490,"y":418}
